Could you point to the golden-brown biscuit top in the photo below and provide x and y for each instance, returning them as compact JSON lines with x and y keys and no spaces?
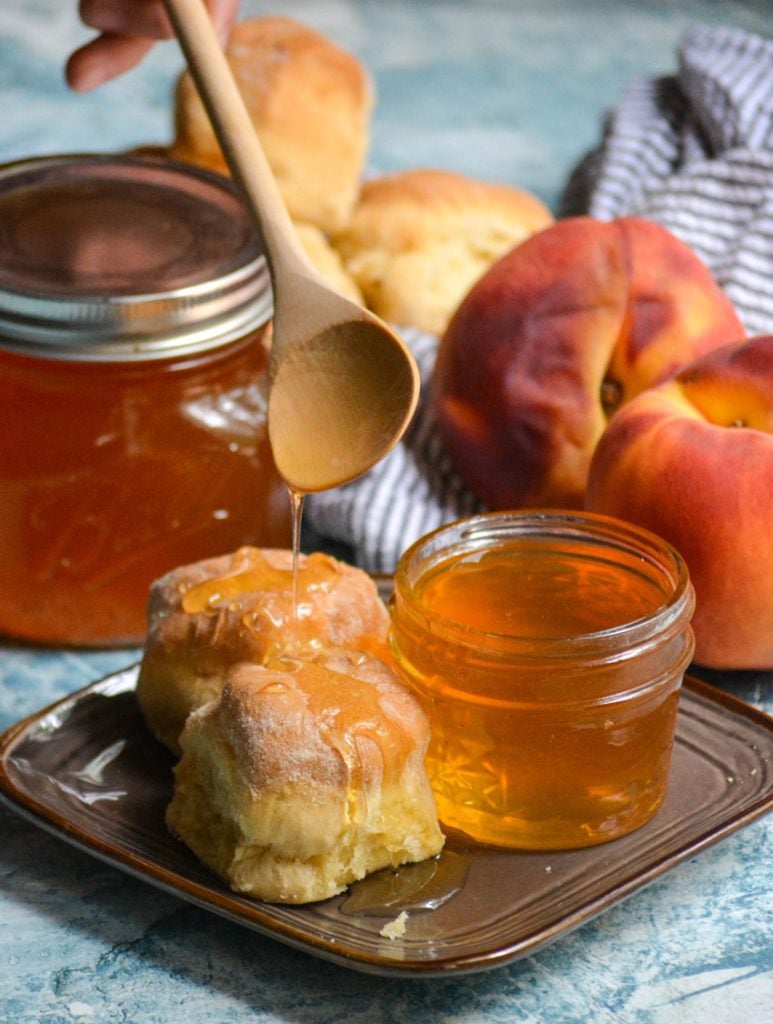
{"x":343,"y":719}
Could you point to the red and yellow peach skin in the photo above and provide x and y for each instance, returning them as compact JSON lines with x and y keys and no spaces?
{"x":564,"y":329}
{"x":692,"y":460}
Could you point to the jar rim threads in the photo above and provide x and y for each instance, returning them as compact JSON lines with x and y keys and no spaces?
{"x":477,"y":533}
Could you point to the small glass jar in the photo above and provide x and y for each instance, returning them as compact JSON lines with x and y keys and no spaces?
{"x":134,"y":309}
{"x":548,"y":649}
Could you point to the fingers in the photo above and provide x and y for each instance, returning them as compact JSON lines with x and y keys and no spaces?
{"x":105,"y":57}
{"x":128,"y":29}
{"x":145,"y":19}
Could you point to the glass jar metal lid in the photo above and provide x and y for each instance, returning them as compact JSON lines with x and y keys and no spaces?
{"x":122,"y":258}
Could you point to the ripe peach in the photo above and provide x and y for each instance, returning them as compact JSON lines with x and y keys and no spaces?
{"x":561,"y":331}
{"x":692,"y":460}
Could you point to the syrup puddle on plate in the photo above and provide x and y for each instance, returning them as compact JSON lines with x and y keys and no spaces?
{"x":426,"y":885}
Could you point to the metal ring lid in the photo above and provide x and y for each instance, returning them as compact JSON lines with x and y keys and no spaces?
{"x":125,"y":258}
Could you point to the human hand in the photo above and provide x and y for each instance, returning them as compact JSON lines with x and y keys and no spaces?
{"x":128,"y":29}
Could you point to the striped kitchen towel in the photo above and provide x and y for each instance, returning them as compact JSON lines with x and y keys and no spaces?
{"x":694,"y":152}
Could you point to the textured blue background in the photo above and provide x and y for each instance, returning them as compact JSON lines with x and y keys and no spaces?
{"x":514,"y":91}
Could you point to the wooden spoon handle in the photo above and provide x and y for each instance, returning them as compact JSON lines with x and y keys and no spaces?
{"x":236,"y":134}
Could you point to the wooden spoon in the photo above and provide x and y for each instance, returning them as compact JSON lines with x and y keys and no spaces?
{"x":343,"y":386}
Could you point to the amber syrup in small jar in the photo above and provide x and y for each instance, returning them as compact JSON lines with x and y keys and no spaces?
{"x":134,"y":309}
{"x":548,"y":649}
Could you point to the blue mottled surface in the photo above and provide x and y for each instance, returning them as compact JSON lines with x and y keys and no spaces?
{"x":514,"y":91}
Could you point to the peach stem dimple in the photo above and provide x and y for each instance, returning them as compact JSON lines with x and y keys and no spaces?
{"x":611,"y":395}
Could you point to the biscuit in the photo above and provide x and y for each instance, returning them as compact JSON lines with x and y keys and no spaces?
{"x":206,"y":617}
{"x":327,"y":261}
{"x":310,"y":102}
{"x":304,"y":776}
{"x":420,"y":239}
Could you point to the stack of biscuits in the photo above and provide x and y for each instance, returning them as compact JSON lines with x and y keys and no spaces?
{"x":300,"y":754}
{"x":408,"y":245}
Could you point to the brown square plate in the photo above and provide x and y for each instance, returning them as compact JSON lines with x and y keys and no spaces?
{"x":87,"y":770}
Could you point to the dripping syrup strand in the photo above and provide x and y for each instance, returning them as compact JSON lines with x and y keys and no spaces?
{"x":296,"y":503}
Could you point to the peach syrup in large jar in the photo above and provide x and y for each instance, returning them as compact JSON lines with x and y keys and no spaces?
{"x":134,"y":307}
{"x":548,"y":649}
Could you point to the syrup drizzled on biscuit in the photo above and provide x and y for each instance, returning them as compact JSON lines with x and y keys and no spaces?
{"x":299,"y":604}
{"x":291,"y":592}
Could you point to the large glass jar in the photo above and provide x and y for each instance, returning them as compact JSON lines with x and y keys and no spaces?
{"x":548,"y":649}
{"x":134,"y":308}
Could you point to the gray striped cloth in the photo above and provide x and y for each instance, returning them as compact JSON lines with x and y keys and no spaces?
{"x":694,"y":152}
